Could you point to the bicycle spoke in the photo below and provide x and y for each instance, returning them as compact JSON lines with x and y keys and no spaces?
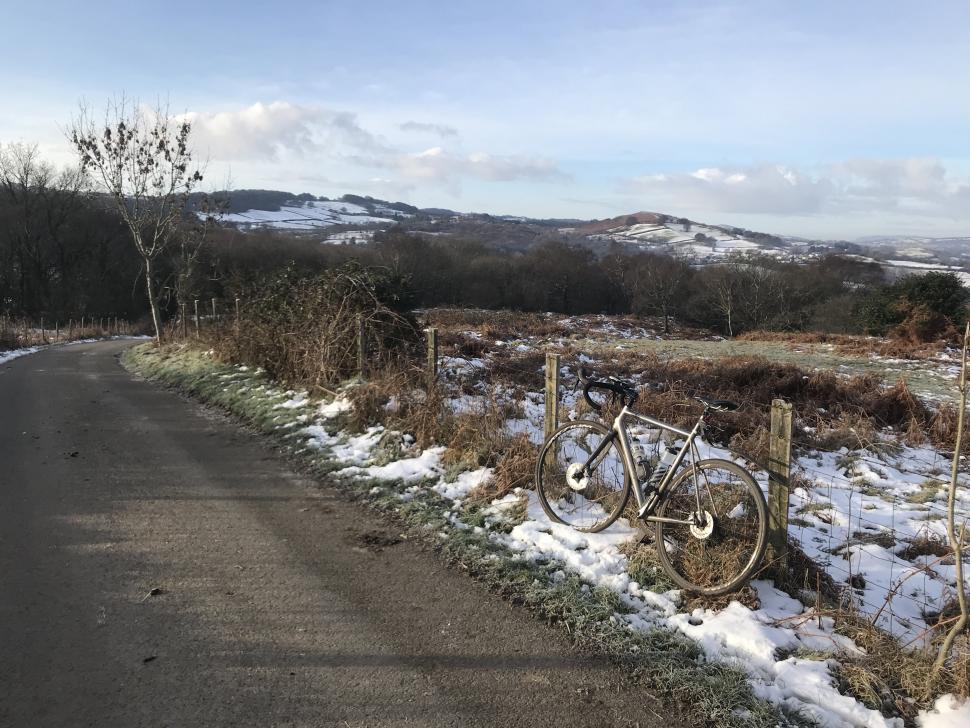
{"x":724,"y":545}
{"x":584,"y":499}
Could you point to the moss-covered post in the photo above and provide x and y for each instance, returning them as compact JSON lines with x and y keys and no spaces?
{"x":779,"y":471}
{"x":196,"y":301}
{"x":432,"y":338}
{"x":551,"y":420}
{"x":213,"y":311}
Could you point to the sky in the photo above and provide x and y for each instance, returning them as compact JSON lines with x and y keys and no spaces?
{"x":822,"y":119}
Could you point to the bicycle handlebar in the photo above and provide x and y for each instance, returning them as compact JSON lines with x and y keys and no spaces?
{"x":628,"y":392}
{"x":617,"y":386}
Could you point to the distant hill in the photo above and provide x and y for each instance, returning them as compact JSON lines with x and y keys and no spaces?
{"x":681,"y":236}
{"x":356,"y":218}
{"x":621,"y":221}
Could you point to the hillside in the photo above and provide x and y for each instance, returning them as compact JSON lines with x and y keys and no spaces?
{"x":354,"y":219}
{"x":680,"y":236}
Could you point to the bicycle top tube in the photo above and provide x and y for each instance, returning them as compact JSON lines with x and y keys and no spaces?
{"x":627,"y":412}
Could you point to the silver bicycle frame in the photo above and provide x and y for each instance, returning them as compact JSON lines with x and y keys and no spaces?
{"x":647,"y":504}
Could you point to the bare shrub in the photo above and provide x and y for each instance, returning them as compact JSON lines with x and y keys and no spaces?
{"x":478,"y":438}
{"x":370,"y":398}
{"x":923,"y":325}
{"x":515,"y":469}
{"x":305,"y":329}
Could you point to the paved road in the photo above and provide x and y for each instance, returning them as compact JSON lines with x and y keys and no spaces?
{"x":278,"y":605}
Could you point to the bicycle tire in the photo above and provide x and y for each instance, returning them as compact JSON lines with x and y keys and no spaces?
{"x":556,"y":496}
{"x":688,"y":559}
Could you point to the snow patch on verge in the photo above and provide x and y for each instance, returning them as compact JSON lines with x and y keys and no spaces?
{"x":947,"y":712}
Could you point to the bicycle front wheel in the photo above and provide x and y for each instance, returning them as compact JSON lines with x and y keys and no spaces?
{"x":588,"y":500}
{"x":725,"y":545}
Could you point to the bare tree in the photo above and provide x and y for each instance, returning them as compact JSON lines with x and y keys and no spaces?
{"x":39,"y":201}
{"x":724,"y":290}
{"x":659,"y":283}
{"x":141,"y":159}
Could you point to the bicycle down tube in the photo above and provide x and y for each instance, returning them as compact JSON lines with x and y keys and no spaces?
{"x":620,"y":430}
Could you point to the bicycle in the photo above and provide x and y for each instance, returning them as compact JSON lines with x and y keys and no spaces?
{"x":708,"y":545}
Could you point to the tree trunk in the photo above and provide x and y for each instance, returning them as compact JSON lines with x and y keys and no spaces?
{"x":152,"y":302}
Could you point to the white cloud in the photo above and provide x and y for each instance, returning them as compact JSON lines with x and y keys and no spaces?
{"x":265,"y":131}
{"x":917,"y":186}
{"x":308,"y":139}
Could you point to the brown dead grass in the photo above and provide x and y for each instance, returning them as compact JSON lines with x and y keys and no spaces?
{"x":904,"y":344}
{"x":515,"y":469}
{"x":842,"y":410}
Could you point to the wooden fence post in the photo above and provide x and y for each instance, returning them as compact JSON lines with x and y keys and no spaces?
{"x":361,"y":347}
{"x":779,"y":471}
{"x":432,"y":335}
{"x":43,"y":331}
{"x":57,"y":330}
{"x":185,"y":321}
{"x":213,"y":312}
{"x":551,"y":420}
{"x":237,"y":312}
{"x":196,"y":318}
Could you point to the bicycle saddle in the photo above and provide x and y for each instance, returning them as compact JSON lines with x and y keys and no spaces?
{"x":718,"y":405}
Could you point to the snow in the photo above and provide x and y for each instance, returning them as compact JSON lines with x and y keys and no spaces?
{"x":6,"y":356}
{"x":927,"y":267}
{"x":856,"y":501}
{"x":948,"y":712}
{"x":296,"y":401}
{"x":314,"y":214}
{"x":464,"y":484}
{"x":334,"y":408}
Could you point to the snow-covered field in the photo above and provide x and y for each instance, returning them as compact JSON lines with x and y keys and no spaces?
{"x":311,"y":215}
{"x":871,"y":519}
{"x":716,"y":244}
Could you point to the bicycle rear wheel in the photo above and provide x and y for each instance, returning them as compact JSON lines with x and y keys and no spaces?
{"x":587,"y":501}
{"x":719,"y":555}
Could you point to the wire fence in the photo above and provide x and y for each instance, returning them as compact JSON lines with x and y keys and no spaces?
{"x":24,"y":332}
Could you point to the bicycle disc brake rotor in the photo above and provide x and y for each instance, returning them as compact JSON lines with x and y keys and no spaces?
{"x":576,"y":478}
{"x":703,"y":532}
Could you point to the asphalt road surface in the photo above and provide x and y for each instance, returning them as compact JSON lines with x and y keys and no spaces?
{"x":160,"y":566}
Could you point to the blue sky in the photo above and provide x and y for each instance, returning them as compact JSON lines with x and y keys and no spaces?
{"x":825,"y":119}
